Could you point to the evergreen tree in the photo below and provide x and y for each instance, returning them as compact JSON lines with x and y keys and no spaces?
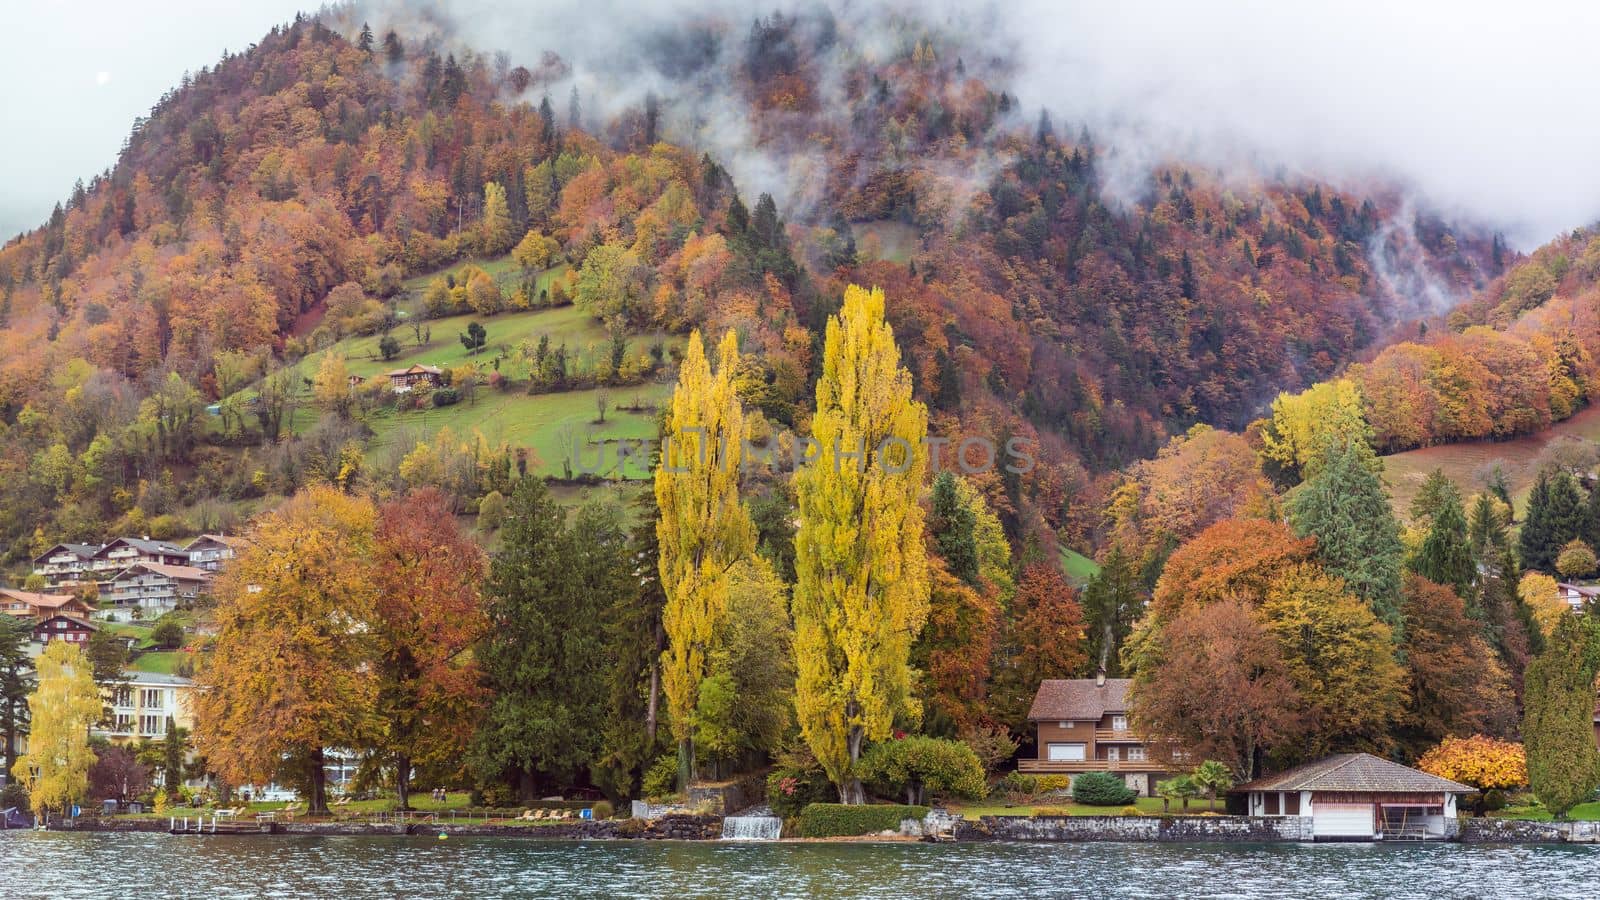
{"x":1345,"y":507}
{"x":574,"y":110}
{"x":1486,"y":534}
{"x":364,"y":41}
{"x":1558,"y":723}
{"x":1446,"y":556}
{"x":544,"y":658}
{"x":952,"y":524}
{"x":1112,"y":602}
{"x":1436,"y":491}
{"x":1591,"y":517}
{"x":632,"y":740}
{"x":16,"y":683}
{"x":392,"y":48}
{"x":1555,"y":516}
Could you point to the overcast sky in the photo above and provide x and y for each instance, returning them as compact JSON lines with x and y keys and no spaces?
{"x":1485,"y":106}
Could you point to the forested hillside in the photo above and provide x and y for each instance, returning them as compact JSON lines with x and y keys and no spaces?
{"x":276,"y":204}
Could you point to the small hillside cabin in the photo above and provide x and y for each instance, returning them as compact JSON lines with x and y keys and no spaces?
{"x":403,"y":380}
{"x":1359,"y":797}
{"x":1082,"y":726}
{"x":64,"y":564}
{"x":124,"y":552}
{"x":210,"y":551}
{"x":1577,"y":595}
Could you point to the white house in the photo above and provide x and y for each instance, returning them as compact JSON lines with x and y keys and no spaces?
{"x":1576,"y":595}
{"x":146,"y":590}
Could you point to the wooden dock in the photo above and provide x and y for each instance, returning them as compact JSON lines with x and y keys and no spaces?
{"x":221,"y":826}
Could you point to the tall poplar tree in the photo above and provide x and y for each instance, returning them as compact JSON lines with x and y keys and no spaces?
{"x":703,"y":529}
{"x":862,"y":591}
{"x":1344,"y":506}
{"x":1558,"y":722}
{"x":496,"y":235}
{"x":67,"y":701}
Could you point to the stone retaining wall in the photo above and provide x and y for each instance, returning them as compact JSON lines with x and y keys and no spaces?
{"x":670,"y":827}
{"x":1175,"y":829}
{"x":1517,"y":831}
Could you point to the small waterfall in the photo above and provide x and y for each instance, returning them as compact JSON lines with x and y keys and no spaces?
{"x":755,"y":824}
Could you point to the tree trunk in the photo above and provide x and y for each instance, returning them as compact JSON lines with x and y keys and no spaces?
{"x":651,"y":710}
{"x":851,"y":792}
{"x":685,"y":763}
{"x":319,"y":785}
{"x":402,"y":780}
{"x":525,"y":788}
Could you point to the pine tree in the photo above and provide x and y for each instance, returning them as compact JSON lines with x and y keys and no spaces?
{"x":1446,"y":555}
{"x":1436,"y":491}
{"x":364,"y":41}
{"x":1591,"y":517}
{"x":1558,"y":723}
{"x":862,"y":591}
{"x":703,"y":529}
{"x":1112,"y":602}
{"x":951,"y":525}
{"x":1555,"y":516}
{"x":16,"y":683}
{"x":1345,"y":507}
{"x":392,"y":48}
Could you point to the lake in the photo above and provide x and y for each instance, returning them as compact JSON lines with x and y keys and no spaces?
{"x":66,"y":865}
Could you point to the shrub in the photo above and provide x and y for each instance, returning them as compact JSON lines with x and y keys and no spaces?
{"x":1018,"y":783}
{"x":661,"y":780}
{"x":446,"y":397}
{"x":1101,"y":789}
{"x":839,"y":820}
{"x":1050,"y":812}
{"x":791,"y":789}
{"x":602,"y":809}
{"x":1494,"y":800}
{"x":14,"y":794}
{"x":919,"y":766}
{"x":1131,"y":811}
{"x":1049,"y":784}
{"x":167,"y":635}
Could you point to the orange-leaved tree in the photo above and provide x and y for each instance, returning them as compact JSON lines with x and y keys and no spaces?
{"x":290,"y":670}
{"x":428,"y":573}
{"x":1483,"y":762}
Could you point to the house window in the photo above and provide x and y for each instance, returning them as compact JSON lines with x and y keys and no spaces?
{"x":1119,"y":723}
{"x":1272,"y":804}
{"x":123,"y":697}
{"x":1136,"y":753}
{"x":1113,"y":754}
{"x":152,"y":726}
{"x":1291,"y":804}
{"x":1064,"y":752}
{"x":150,"y":698}
{"x":124,"y":723}
{"x":1064,"y":724}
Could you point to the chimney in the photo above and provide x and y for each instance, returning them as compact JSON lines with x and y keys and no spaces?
{"x":1100,"y":678}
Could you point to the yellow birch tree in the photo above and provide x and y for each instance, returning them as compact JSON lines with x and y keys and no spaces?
{"x":65,"y":704}
{"x":861,"y":592}
{"x":703,"y":529}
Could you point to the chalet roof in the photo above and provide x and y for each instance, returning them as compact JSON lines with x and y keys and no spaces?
{"x":76,"y":620}
{"x":41,"y":601}
{"x":143,"y":545}
{"x":144,"y":679}
{"x":1583,"y":590}
{"x":416,"y":369}
{"x":227,"y":540}
{"x":1079,"y":698}
{"x":189,"y":573}
{"x":1355,"y":772}
{"x":82,"y":551}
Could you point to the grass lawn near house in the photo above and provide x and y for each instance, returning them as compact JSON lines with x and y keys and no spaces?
{"x":129,"y":629}
{"x":1150,"y":806}
{"x":1583,"y":811}
{"x":164,"y":662}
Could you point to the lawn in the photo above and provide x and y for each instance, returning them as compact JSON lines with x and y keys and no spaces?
{"x":128,"y":629}
{"x":163,"y":662}
{"x":1079,"y":568}
{"x":542,"y":422}
{"x":1150,"y":806}
{"x":1585,"y":811}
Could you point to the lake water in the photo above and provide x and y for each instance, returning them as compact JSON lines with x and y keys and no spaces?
{"x":58,"y":865}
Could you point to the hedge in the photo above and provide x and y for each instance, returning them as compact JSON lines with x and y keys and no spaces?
{"x":839,"y":820}
{"x":1101,"y":789}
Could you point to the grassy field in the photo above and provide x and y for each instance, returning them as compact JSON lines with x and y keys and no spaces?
{"x":1079,"y":568}
{"x":1463,"y":463}
{"x":161,"y":662}
{"x":539,"y":421}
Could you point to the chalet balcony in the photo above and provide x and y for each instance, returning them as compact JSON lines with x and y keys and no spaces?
{"x":1073,"y":766}
{"x":1116,"y":736}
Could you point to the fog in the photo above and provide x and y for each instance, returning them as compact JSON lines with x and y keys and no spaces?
{"x":1481,"y":108}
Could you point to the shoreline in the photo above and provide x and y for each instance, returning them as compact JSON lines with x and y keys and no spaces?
{"x":986,"y":829}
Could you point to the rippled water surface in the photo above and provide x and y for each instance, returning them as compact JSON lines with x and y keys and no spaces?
{"x":34,"y":864}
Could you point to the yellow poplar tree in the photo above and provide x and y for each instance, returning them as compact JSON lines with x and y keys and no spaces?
{"x":495,"y":236}
{"x":65,"y":704}
{"x":703,"y":529}
{"x":1305,"y":426}
{"x":861,"y":594}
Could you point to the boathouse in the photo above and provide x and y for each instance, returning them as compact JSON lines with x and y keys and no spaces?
{"x":1359,"y":797}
